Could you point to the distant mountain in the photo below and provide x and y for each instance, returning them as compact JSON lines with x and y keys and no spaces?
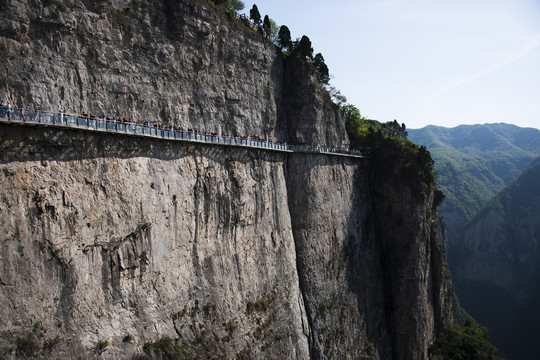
{"x":492,"y":230}
{"x":499,"y":267}
{"x":474,"y":162}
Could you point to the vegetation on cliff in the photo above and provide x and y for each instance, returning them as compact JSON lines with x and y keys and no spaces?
{"x":462,"y":342}
{"x":299,"y":49}
{"x":387,"y":143}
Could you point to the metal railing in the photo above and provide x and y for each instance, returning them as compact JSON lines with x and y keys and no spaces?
{"x":46,"y":118}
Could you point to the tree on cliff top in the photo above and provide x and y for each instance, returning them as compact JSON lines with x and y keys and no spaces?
{"x":324,"y":74}
{"x":235,"y":5}
{"x":303,"y":48}
{"x":273,"y":31}
{"x":255,"y":15}
{"x":284,"y":38}
{"x":356,"y":125}
{"x":270,"y":28}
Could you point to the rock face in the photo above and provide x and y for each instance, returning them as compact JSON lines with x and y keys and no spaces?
{"x":371,"y":289}
{"x":139,"y":240}
{"x":501,"y":269}
{"x":182,"y":63}
{"x":113,"y":240}
{"x":114,"y":245}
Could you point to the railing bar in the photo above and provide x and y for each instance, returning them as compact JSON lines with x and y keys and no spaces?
{"x":62,"y":119}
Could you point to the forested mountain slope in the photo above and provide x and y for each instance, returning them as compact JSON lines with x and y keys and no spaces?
{"x":499,"y":271}
{"x":492,"y":230}
{"x":474,"y":162}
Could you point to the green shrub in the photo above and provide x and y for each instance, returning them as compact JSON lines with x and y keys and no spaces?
{"x":28,"y":345}
{"x":469,"y":341}
{"x":168,"y":348}
{"x":102,"y":345}
{"x":52,"y":342}
{"x":244,"y":354}
{"x":262,"y":303}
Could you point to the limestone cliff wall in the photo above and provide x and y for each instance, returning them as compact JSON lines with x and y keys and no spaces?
{"x":111,"y":243}
{"x":174,"y":62}
{"x":108,"y":239}
{"x":117,"y":241}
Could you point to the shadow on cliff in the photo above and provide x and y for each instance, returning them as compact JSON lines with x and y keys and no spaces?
{"x":327,"y":202}
{"x":21,"y":144}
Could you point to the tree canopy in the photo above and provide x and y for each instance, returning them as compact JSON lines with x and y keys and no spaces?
{"x":324,"y":73}
{"x":235,"y":5}
{"x":267,"y":26}
{"x":255,"y":15}
{"x":273,"y":31}
{"x":470,"y":341}
{"x":304,"y":49}
{"x":284,"y":38}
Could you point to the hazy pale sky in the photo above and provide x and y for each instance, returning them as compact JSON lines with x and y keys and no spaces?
{"x":426,"y":62}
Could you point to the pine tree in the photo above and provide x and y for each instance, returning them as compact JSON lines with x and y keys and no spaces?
{"x":324,"y":73}
{"x":255,"y":15}
{"x":304,"y":47}
{"x":284,"y":38}
{"x":267,"y":27}
{"x":318,"y":60}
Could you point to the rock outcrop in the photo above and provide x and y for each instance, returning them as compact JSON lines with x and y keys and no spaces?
{"x":113,"y":245}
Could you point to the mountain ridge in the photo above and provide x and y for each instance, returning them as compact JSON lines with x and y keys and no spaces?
{"x":490,"y":178}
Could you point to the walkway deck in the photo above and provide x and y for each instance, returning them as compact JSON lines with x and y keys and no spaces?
{"x":59,"y":120}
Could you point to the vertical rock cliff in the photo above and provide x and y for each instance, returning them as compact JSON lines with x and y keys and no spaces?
{"x":368,"y":262}
{"x":182,"y":63}
{"x":500,"y":274}
{"x":113,"y":246}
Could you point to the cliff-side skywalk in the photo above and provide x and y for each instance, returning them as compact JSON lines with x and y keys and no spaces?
{"x":60,"y":120}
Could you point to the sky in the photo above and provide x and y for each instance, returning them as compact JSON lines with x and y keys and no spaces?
{"x":425,"y":62}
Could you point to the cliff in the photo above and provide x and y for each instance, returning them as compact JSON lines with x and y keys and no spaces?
{"x":500,"y":272}
{"x":181,"y":63}
{"x":114,"y":245}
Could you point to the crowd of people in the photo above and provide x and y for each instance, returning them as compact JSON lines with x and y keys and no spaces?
{"x":157,"y":129}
